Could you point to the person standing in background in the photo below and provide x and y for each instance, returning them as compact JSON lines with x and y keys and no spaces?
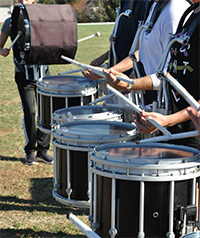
{"x":36,"y":140}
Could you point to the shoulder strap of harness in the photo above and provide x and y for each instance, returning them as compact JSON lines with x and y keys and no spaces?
{"x":149,"y":3}
{"x":121,"y":4}
{"x":131,"y":4}
{"x":130,"y":8}
{"x":156,"y":12}
{"x":193,"y":24}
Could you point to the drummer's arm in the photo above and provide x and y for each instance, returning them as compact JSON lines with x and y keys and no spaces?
{"x":145,"y":126}
{"x":123,"y":65}
{"x":126,"y":63}
{"x":3,"y":51}
{"x":195,"y":116}
{"x":143,"y":83}
{"x":180,"y":116}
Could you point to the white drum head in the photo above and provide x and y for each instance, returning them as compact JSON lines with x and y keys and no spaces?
{"x":149,"y":161}
{"x":93,"y":133}
{"x":66,"y":84}
{"x":84,"y":113}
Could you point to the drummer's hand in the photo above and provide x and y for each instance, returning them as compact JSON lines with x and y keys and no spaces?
{"x":144,"y":126}
{"x":89,"y":74}
{"x":5,"y":52}
{"x":110,"y":75}
{"x":195,"y":119}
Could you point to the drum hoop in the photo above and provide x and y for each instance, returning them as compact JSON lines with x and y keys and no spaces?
{"x":88,"y":141}
{"x":120,"y":110}
{"x":43,"y":129}
{"x":82,"y":117}
{"x":91,"y":117}
{"x":97,"y":139}
{"x":142,"y":178}
{"x":69,"y":92}
{"x":87,"y":86}
{"x":122,"y":124}
{"x":66,"y":201}
{"x":164,"y":166}
{"x":27,"y":47}
{"x":60,"y":113}
{"x":74,"y":148}
{"x":152,"y":145}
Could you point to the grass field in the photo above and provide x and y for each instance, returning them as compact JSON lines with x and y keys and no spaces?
{"x":27,"y":206}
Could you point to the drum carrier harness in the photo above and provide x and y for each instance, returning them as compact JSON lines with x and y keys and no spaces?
{"x":147,"y":96}
{"x":186,"y":35}
{"x":112,"y":57}
{"x":186,"y":215}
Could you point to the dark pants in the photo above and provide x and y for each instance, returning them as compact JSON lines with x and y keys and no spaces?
{"x":35,"y":139}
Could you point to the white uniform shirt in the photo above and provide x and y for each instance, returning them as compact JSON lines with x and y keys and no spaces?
{"x":153,"y":45}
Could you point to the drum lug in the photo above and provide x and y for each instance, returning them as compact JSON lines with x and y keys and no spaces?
{"x":90,"y":218}
{"x":56,"y":126}
{"x":113,"y":232}
{"x":56,"y":186}
{"x":170,"y":235}
{"x":88,"y":193}
{"x":68,"y":191}
{"x":95,"y":225}
{"x":27,"y":46}
{"x":92,"y":153}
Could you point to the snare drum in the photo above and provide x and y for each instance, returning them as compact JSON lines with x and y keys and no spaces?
{"x":56,"y":92}
{"x":87,"y":113}
{"x":72,"y":143}
{"x":143,"y":190}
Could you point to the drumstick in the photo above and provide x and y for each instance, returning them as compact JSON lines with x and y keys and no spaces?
{"x":183,"y":92}
{"x":171,"y":137}
{"x":88,"y":37}
{"x":138,"y":110}
{"x":96,"y":70}
{"x":70,"y":72}
{"x":16,"y":38}
{"x":101,"y":99}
